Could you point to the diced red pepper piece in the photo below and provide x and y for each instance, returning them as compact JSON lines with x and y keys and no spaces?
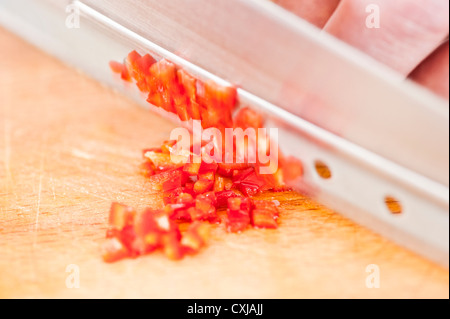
{"x":189,"y":84}
{"x":147,"y":169}
{"x":181,"y":108}
{"x":131,"y":61}
{"x":226,"y":169}
{"x":191,"y":168}
{"x":120,"y":68}
{"x":148,"y":234}
{"x":247,"y":117}
{"x":208,"y":167}
{"x":204,"y":210}
{"x":238,"y":213}
{"x":211,"y":117}
{"x":265,"y":214}
{"x":248,"y":182}
{"x":116,"y":67}
{"x":120,"y":216}
{"x":157,"y":99}
{"x":185,"y":198}
{"x":240,"y":203}
{"x":210,"y":196}
{"x":228,"y":183}
{"x":182,"y":215}
{"x":189,"y":187}
{"x":162,"y":74}
{"x":195,"y":237}
{"x":161,"y":161}
{"x":219,"y":183}
{"x":139,"y":68}
{"x":143,"y":68}
{"x":150,"y":227}
{"x":178,"y":210}
{"x":125,"y":75}
{"x":203,"y":185}
{"x":172,"y":196}
{"x":167,"y":146}
{"x":172,"y":247}
{"x":234,"y":203}
{"x":207,"y":175}
{"x":239,"y":175}
{"x":237,"y":220}
{"x":174,"y":98}
{"x":267,"y":205}
{"x":263,"y":218}
{"x":151,"y":149}
{"x":113,"y":250}
{"x":216,"y":105}
{"x":292,"y":168}
{"x":168,"y":180}
{"x":195,"y":110}
{"x":131,"y":64}
{"x":223,"y":196}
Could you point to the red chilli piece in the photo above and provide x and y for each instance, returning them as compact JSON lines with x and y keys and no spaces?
{"x":227,"y":169}
{"x":203,"y":185}
{"x":208,"y":167}
{"x":139,"y":69}
{"x":264,"y":215}
{"x":162,"y":75}
{"x":292,"y":168}
{"x":238,"y":214}
{"x":223,"y":196}
{"x":247,"y":117}
{"x":172,"y":247}
{"x":116,"y":67}
{"x":120,"y":233}
{"x":216,"y":105}
{"x":191,"y":169}
{"x":211,"y":196}
{"x":113,"y":250}
{"x":189,"y":84}
{"x":167,"y":146}
{"x":195,"y":237}
{"x":121,"y":69}
{"x":151,"y":228}
{"x":172,"y":196}
{"x":161,"y":161}
{"x":248,"y":182}
{"x":120,"y":216}
{"x":147,"y":169}
{"x":237,"y":220}
{"x":168,"y":180}
{"x":179,"y":210}
{"x":204,"y":210}
{"x":172,"y":92}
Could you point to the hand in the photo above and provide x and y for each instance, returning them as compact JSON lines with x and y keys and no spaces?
{"x":411,"y":36}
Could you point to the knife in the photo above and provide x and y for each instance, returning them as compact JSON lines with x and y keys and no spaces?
{"x":382,"y":141}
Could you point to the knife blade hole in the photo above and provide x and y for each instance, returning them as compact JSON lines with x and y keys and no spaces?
{"x":322,"y":169}
{"x":393,"y":205}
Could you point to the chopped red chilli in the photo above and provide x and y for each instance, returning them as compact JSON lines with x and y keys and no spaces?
{"x":193,"y":192}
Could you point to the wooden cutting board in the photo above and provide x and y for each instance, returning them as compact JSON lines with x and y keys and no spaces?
{"x":69,"y":147}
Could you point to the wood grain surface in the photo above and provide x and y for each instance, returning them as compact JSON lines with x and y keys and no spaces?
{"x":69,"y":147}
